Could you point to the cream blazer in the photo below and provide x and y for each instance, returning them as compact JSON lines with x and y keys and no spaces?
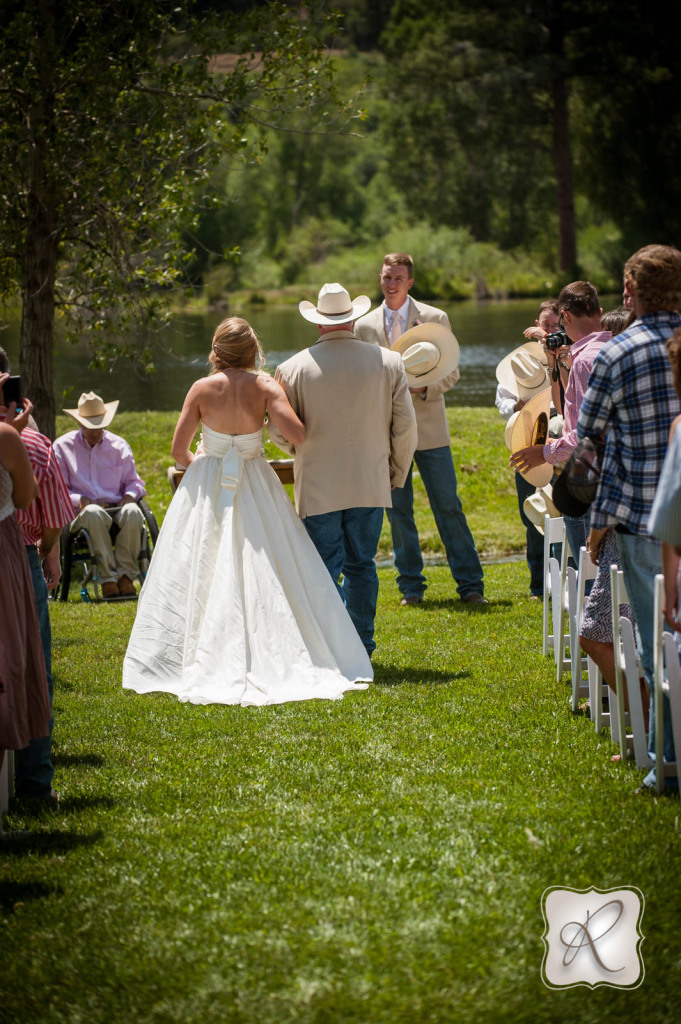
{"x":431,"y":416}
{"x":361,"y":430}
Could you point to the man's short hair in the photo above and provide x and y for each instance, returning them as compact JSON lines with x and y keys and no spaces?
{"x":4,"y":361}
{"x":654,"y":276}
{"x":580,"y":299}
{"x":400,"y":259}
{"x":615,"y":320}
{"x":548,"y":306}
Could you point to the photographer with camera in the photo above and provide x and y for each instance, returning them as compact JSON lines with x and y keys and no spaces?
{"x":548,"y":332}
{"x":580,"y":317}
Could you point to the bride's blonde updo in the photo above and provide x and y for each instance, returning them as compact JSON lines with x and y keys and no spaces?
{"x":236,"y":345}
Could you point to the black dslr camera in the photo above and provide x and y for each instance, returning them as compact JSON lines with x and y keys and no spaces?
{"x":557,"y":340}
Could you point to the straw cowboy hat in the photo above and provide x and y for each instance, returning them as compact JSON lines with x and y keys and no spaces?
{"x":429,"y":353}
{"x":92,"y":412}
{"x":530,"y":425}
{"x":538,"y":505}
{"x":334,"y":306}
{"x":524,"y":371}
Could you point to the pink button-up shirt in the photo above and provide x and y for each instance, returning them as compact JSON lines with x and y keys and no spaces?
{"x":583,"y":353}
{"x":104,"y":473}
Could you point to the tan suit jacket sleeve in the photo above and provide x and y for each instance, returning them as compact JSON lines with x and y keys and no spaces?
{"x":403,"y":430}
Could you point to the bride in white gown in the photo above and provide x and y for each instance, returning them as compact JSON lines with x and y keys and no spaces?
{"x":237,"y":606}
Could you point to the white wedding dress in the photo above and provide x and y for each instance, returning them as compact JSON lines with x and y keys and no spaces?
{"x":237,"y":606}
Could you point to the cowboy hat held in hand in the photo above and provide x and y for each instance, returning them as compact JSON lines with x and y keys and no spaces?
{"x":524,"y":371}
{"x":527,"y":427}
{"x":539,"y":505}
{"x":93,"y":413}
{"x":429,"y":353}
{"x":334,"y":306}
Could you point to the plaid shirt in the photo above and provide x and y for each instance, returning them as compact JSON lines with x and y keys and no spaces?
{"x":631,"y":398}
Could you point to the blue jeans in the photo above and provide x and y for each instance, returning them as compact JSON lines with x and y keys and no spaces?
{"x":577,"y":531}
{"x":534,"y":539}
{"x":439,"y":478}
{"x":641,"y":561}
{"x":347,"y":541}
{"x":33,"y":764}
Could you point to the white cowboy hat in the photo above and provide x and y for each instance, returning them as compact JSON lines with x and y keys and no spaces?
{"x":530,"y":425}
{"x":334,"y":306}
{"x":92,"y":412}
{"x":524,"y":371}
{"x":538,"y":505}
{"x":429,"y":353}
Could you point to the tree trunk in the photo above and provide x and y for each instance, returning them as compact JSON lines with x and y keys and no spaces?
{"x":562,"y":156}
{"x":41,"y":250}
{"x":36,"y":353}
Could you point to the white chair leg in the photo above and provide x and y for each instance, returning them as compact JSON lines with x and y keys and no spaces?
{"x":674,"y":691}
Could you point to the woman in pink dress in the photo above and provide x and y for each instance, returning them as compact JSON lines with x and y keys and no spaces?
{"x":24,"y":703}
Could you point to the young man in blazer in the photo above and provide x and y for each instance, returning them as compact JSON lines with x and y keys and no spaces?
{"x":361,"y":435}
{"x":383,"y":326}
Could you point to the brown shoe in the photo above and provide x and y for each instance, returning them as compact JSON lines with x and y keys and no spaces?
{"x":109,"y":590}
{"x":475,"y":599}
{"x":126,"y":588}
{"x":411,"y":599}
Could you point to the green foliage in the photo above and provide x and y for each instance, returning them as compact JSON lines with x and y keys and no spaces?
{"x":111,"y":115}
{"x":380,"y":858}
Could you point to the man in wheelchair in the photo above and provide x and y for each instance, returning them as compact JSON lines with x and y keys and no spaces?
{"x":100,"y":473}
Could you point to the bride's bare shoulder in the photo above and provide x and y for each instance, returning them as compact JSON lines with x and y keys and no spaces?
{"x":265,"y":384}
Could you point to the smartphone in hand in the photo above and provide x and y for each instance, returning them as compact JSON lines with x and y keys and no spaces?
{"x":11,"y":392}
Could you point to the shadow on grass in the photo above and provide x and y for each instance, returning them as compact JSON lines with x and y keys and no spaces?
{"x":456,"y":604}
{"x":18,"y":893}
{"x":385,"y":675}
{"x":40,"y":843}
{"x":37,"y":809}
{"x":61,"y":643}
{"x":71,"y":760}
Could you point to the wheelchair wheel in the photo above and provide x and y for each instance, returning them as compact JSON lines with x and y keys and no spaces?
{"x":66,"y":564}
{"x":150,"y":520}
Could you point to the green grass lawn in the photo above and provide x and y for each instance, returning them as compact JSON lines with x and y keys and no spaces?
{"x":375,"y":860}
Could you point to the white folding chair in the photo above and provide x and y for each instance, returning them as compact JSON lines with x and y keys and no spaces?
{"x":554,"y":533}
{"x":560,"y":614}
{"x":627,"y":663}
{"x":673,"y":665}
{"x":580,"y":663}
{"x":661,"y":686}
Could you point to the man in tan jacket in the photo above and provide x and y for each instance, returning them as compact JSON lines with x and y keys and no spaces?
{"x":361,"y":435}
{"x":383,"y":327}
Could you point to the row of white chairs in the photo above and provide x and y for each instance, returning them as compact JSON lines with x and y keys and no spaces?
{"x":564,"y":599}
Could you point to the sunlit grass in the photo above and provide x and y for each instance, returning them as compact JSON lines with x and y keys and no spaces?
{"x":377,"y":859}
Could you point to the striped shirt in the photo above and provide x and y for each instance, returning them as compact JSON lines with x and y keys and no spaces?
{"x":52,"y":507}
{"x":631,"y":398}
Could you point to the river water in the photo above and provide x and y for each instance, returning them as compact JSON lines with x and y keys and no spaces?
{"x":486,"y":332}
